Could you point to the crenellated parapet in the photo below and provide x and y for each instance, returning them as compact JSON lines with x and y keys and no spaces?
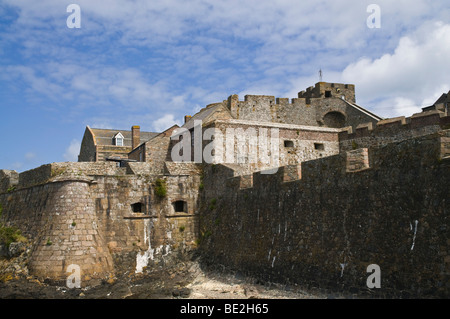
{"x":328,"y":90}
{"x":324,"y":105}
{"x":56,"y":172}
{"x":310,"y":171}
{"x":393,"y":130}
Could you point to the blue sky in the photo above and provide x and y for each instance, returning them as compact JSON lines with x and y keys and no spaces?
{"x":149,"y":63}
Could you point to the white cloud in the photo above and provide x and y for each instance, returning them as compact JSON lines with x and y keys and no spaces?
{"x":222,"y":48}
{"x":72,"y":151}
{"x":413,"y":76}
{"x":164,"y":122}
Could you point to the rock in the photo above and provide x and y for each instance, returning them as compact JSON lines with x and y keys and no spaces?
{"x":16,"y":248}
{"x":181,"y":292}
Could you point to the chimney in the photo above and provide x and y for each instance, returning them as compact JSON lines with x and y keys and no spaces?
{"x":135,"y":136}
{"x":187,"y":118}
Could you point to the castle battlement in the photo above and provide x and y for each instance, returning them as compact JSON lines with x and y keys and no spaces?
{"x":347,"y":162}
{"x":393,"y":130}
{"x":350,"y":162}
{"x":324,"y":105}
{"x":327,"y":90}
{"x":253,"y":100}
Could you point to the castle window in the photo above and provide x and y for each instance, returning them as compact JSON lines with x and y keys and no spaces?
{"x":319,"y":146}
{"x":327,"y":93}
{"x":180,"y":206}
{"x":137,"y":208}
{"x":288,"y":143}
{"x":118,"y":139}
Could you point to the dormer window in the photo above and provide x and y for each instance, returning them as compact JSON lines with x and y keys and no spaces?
{"x":118,"y":139}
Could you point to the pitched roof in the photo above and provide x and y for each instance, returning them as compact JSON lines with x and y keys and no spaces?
{"x":439,"y":104}
{"x":444,"y":98}
{"x":361,"y":109}
{"x":105,"y":136}
{"x":207,"y":113}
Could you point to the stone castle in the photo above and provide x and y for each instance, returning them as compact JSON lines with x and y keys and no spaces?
{"x":347,"y":189}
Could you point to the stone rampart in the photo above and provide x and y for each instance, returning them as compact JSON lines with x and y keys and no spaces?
{"x":394,"y":130}
{"x":322,"y":224}
{"x":59,"y":219}
{"x":98,"y":217}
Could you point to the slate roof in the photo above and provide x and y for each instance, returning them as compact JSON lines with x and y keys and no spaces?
{"x":105,"y":136}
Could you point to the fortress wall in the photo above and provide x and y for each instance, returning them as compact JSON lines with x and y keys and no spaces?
{"x":266,"y":108}
{"x":394,"y":130}
{"x":308,"y":109}
{"x":50,"y":172}
{"x":90,"y":220}
{"x":325,"y":228}
{"x":59,"y":219}
{"x":125,"y":229}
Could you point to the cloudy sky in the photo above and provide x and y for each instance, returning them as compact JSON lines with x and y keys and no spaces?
{"x":149,"y":63}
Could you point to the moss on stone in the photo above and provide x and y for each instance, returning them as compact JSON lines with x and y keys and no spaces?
{"x":160,"y":188}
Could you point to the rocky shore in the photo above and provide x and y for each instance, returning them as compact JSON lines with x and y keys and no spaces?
{"x":186,"y":278}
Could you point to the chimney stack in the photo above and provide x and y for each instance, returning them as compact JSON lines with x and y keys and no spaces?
{"x":135,"y":136}
{"x":187,"y":118}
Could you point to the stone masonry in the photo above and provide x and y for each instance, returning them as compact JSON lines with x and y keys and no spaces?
{"x":349,"y":190}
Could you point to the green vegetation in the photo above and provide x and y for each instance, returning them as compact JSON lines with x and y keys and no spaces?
{"x":74,"y":224}
{"x":8,"y":234}
{"x":49,"y":242}
{"x":182,"y":228}
{"x":58,"y":171}
{"x":160,"y":188}
{"x":354,"y":145}
{"x":11,"y":189}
